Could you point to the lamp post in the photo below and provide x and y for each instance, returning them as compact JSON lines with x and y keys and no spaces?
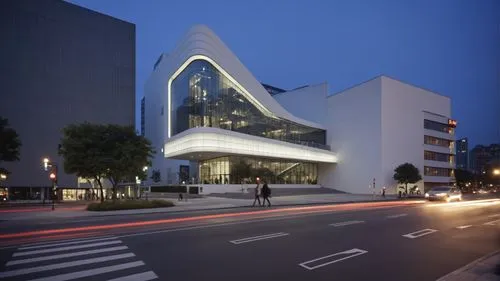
{"x":52,"y":176}
{"x":496,"y":172}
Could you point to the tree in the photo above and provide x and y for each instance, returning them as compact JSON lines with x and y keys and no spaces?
{"x":100,"y":152}
{"x":125,"y":155}
{"x":82,"y":148}
{"x":9,"y":144}
{"x":407,"y":173}
{"x":156,"y":176}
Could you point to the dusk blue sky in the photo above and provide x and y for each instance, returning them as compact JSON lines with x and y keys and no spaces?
{"x":451,"y":47}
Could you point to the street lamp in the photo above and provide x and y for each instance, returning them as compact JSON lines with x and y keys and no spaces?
{"x":52,"y":176}
{"x":496,"y":172}
{"x":3,"y":176}
{"x":145,"y":168}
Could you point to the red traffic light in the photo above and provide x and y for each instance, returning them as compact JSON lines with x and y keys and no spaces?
{"x":52,"y":176}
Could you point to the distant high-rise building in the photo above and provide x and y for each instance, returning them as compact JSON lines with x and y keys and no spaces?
{"x":462,"y":148}
{"x":143,"y":116}
{"x":481,"y":155}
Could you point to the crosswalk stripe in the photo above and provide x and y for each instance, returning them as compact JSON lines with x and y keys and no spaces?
{"x":145,"y":276}
{"x":66,"y":248}
{"x":65,"y":240}
{"x":90,"y":272}
{"x":68,"y":255}
{"x":66,"y":243}
{"x":23,"y":271}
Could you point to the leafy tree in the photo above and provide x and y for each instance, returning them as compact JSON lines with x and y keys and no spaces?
{"x":156,"y":175}
{"x":100,"y":152}
{"x":82,"y":148}
{"x":9,"y":144}
{"x":125,"y":155}
{"x":407,"y":173}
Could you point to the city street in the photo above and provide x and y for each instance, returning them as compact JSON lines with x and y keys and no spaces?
{"x":401,"y":240}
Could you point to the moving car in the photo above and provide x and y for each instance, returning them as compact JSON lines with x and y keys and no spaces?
{"x":444,"y":193}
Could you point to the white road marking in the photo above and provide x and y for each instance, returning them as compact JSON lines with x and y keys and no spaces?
{"x":90,"y":272}
{"x":66,"y":248}
{"x":494,"y":216}
{"x":492,"y":222}
{"x":396,"y":216}
{"x":65,"y":240}
{"x":23,"y":271}
{"x":464,"y":226}
{"x":309,"y":265}
{"x":66,"y":243}
{"x":419,"y":233}
{"x":257,"y":238}
{"x":345,"y":223}
{"x":68,"y":255}
{"x":145,"y":276}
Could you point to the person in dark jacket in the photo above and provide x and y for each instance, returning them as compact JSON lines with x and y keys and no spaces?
{"x":266,"y":193}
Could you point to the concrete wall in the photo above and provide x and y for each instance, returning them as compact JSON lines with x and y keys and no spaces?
{"x":354,"y":133}
{"x":61,"y":64}
{"x":308,"y":103}
{"x":403,"y":110}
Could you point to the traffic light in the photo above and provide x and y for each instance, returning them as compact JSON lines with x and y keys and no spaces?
{"x":52,"y":176}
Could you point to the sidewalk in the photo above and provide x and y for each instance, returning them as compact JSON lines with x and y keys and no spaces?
{"x":199,"y":204}
{"x":486,"y":268}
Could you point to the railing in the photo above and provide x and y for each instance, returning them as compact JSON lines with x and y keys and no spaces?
{"x":310,"y":144}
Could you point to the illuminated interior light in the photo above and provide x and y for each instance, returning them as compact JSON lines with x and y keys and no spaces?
{"x":245,"y":93}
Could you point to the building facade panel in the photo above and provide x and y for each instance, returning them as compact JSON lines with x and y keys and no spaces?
{"x":61,"y":64}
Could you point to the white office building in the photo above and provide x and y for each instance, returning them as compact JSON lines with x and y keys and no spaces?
{"x":214,"y":125}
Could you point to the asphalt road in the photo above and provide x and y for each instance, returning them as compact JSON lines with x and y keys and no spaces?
{"x":351,"y":242}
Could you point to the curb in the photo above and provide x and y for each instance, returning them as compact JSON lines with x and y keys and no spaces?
{"x":453,"y":275}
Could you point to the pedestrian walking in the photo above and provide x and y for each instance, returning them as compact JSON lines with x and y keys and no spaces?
{"x":257,"y":194}
{"x":383,"y":191}
{"x":266,"y":193}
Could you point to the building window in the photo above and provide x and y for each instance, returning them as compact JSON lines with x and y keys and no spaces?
{"x":441,"y":157}
{"x":204,"y":97}
{"x":440,"y":127}
{"x":437,"y":141}
{"x":437,"y":172}
{"x":236,"y":169}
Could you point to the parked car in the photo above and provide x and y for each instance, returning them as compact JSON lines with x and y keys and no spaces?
{"x":444,"y":193}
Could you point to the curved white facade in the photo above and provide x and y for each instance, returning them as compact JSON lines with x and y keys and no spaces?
{"x":201,"y":43}
{"x":371,"y":128}
{"x":203,"y":143}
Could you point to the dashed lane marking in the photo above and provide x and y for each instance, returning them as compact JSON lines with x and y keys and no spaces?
{"x":419,"y":233}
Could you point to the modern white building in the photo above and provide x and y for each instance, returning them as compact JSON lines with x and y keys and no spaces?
{"x":215,"y":125}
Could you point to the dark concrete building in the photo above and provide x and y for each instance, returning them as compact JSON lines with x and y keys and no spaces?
{"x":462,"y":153}
{"x":60,"y":64}
{"x":481,"y":156}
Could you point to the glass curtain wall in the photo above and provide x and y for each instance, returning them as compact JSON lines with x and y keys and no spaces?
{"x":235,"y":169}
{"x":204,"y":97}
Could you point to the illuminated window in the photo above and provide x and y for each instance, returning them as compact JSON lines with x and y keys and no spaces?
{"x":202,"y":96}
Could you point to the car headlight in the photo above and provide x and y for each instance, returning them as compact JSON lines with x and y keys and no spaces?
{"x":426,"y":195}
{"x":441,"y":194}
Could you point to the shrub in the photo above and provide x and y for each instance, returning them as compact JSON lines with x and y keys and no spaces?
{"x":128,"y":205}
